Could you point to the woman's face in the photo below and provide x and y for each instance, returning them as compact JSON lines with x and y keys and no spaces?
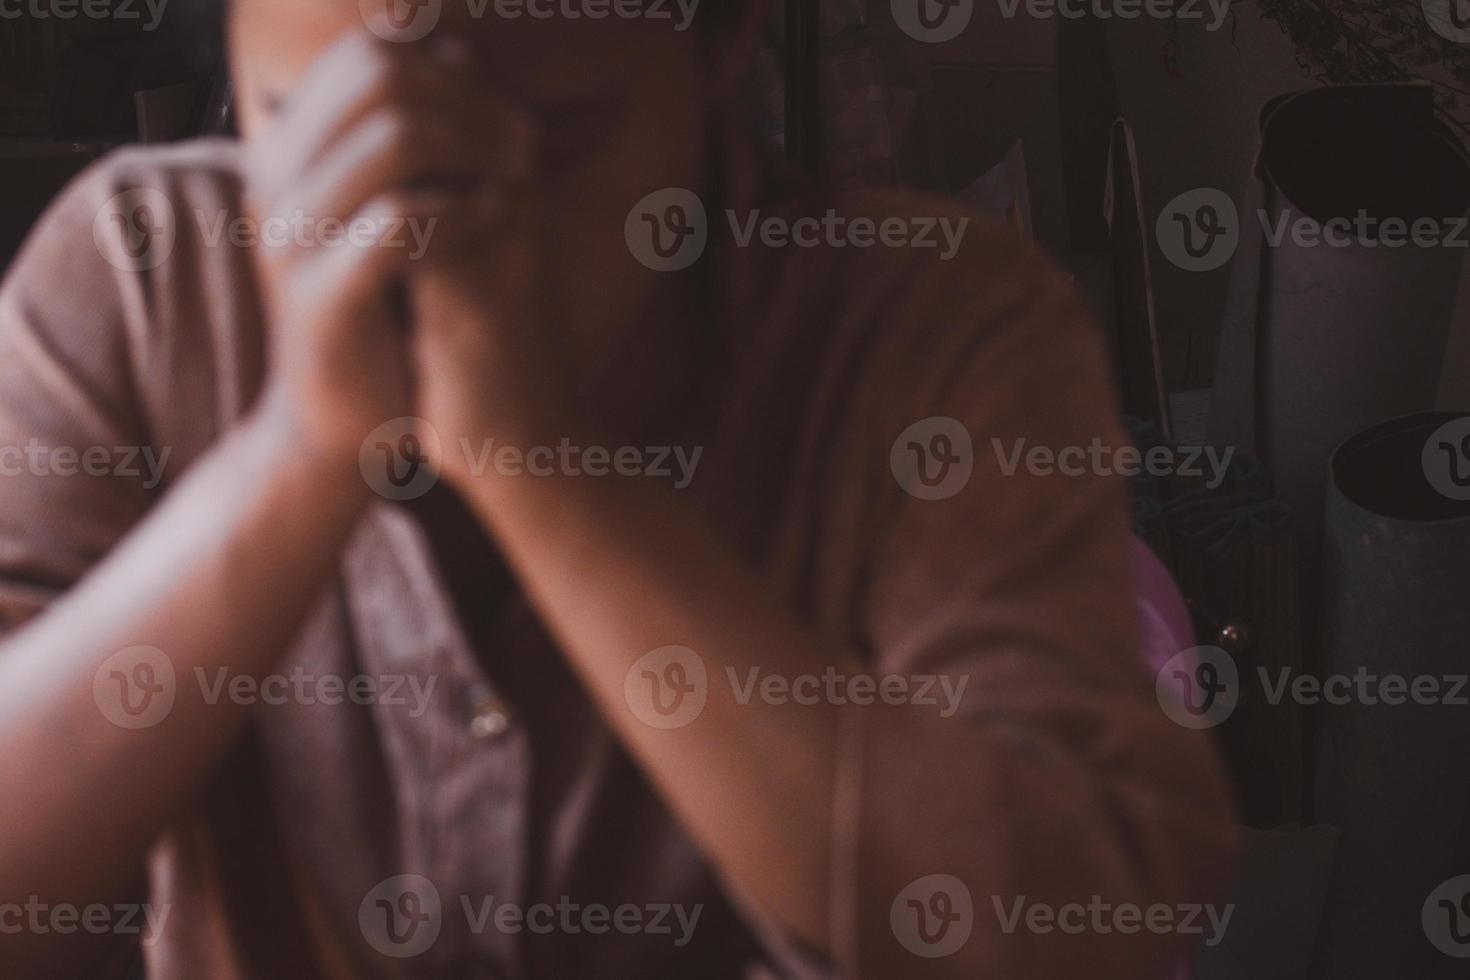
{"x":621,"y":105}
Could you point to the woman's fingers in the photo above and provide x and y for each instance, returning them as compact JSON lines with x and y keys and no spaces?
{"x":351,"y":75}
{"x":362,"y":80}
{"x":389,"y":151}
{"x":409,"y":130}
{"x":396,"y":237}
{"x":365,"y":268}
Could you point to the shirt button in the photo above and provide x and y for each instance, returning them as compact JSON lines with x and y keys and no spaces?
{"x":492,"y":718}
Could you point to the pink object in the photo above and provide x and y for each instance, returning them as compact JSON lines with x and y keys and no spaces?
{"x":1164,"y":622}
{"x":1165,"y":627}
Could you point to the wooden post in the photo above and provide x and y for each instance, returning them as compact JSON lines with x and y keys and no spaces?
{"x":803,"y":84}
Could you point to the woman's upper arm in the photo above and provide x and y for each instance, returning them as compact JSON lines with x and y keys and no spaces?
{"x":1031,"y":764}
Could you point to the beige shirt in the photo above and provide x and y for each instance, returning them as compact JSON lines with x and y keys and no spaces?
{"x":1056,"y":777}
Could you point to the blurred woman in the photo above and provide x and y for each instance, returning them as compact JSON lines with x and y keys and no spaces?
{"x":575,"y":549}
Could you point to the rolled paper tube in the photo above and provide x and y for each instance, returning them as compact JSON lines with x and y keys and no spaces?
{"x":1322,"y":340}
{"x":1395,"y":778}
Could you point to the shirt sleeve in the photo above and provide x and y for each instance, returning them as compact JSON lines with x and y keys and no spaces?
{"x":76,"y":468}
{"x":75,"y":471}
{"x":1028,"y":794}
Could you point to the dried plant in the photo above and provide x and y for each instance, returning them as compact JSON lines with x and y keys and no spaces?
{"x":1340,"y":41}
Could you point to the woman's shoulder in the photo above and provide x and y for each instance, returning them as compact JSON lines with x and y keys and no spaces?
{"x":140,"y":212}
{"x":135,"y":225}
{"x":900,"y":261}
{"x":213,"y":158}
{"x":131,"y":281}
{"x":896,"y":286}
{"x":163,"y":193}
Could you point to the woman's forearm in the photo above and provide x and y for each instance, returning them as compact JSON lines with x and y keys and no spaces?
{"x":618,"y":570}
{"x":220,"y":575}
